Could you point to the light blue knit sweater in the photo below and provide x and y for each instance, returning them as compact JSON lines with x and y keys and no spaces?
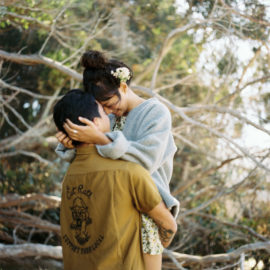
{"x":147,"y":140}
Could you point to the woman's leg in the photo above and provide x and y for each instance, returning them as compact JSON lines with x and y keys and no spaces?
{"x":152,"y":262}
{"x":151,"y":244}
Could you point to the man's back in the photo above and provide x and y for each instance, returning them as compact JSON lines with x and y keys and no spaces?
{"x":100,"y":212}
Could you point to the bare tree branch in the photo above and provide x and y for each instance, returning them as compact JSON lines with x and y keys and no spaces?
{"x":27,"y":18}
{"x":223,"y":192}
{"x":38,"y":59}
{"x":201,"y":175}
{"x":251,"y":62}
{"x":29,"y":154}
{"x":19,"y":116}
{"x":237,"y":91}
{"x":188,"y":80}
{"x":181,"y":113}
{"x":215,"y":108}
{"x":15,"y":200}
{"x":227,"y":257}
{"x":15,"y":217}
{"x":30,"y":138}
{"x":53,"y":28}
{"x":168,"y":44}
{"x":262,"y":22}
{"x":23,"y":91}
{"x":234,"y":225}
{"x":10,"y":123}
{"x":30,"y":250}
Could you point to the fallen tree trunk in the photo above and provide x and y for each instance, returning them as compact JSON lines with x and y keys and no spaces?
{"x":16,"y":200}
{"x":55,"y":252}
{"x":18,"y":223}
{"x":215,"y":258}
{"x":30,"y":250}
{"x":15,"y":218}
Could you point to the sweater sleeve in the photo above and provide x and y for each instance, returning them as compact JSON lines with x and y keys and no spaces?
{"x":65,"y":153}
{"x":149,"y":143}
{"x":69,"y":154}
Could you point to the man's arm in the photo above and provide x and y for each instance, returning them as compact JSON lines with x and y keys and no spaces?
{"x":147,"y":199}
{"x":166,"y":223}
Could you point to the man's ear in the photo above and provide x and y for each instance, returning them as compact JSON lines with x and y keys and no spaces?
{"x":96,"y":121}
{"x":123,"y":87}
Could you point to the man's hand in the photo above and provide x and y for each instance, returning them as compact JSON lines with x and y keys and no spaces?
{"x":64,"y":139}
{"x":166,"y":223}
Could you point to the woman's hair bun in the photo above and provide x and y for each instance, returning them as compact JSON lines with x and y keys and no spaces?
{"x":93,"y":59}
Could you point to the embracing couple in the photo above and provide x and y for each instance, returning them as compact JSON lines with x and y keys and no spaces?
{"x":117,"y":212}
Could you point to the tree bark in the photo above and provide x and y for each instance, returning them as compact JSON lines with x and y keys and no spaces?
{"x":30,"y":250}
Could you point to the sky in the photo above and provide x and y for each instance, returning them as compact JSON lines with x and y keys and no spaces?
{"x":243,"y":51}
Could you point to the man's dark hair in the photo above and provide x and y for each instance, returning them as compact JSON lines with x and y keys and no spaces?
{"x":72,"y":105}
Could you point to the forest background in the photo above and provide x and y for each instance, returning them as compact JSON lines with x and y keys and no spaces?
{"x":208,"y":61}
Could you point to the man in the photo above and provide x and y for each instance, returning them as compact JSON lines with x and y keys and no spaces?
{"x":102,"y":200}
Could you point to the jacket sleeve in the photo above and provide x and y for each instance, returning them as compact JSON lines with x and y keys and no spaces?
{"x":143,"y":190}
{"x":149,"y":145}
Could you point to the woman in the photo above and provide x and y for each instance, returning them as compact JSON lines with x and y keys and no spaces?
{"x":141,"y":133}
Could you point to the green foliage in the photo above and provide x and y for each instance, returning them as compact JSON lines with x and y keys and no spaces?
{"x":183,"y":55}
{"x":266,"y":100}
{"x":227,"y":65}
{"x":25,"y":176}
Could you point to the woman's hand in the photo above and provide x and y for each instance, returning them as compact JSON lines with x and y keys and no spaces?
{"x":64,"y":139}
{"x":87,"y":134}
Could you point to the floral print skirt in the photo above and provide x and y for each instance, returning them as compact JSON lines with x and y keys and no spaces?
{"x":151,"y":243}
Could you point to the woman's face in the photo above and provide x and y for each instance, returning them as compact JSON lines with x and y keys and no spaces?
{"x":104,"y":124}
{"x":115,"y":105}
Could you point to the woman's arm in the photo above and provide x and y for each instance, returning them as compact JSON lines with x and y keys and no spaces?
{"x":152,"y":140}
{"x":64,"y":140}
{"x":65,"y":148}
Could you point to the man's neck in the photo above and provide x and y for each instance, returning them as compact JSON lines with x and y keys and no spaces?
{"x":84,"y":145}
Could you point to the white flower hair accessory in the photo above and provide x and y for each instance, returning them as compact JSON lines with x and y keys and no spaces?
{"x":122,"y":73}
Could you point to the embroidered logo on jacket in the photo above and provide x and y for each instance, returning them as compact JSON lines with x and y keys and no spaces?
{"x":80,"y":220}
